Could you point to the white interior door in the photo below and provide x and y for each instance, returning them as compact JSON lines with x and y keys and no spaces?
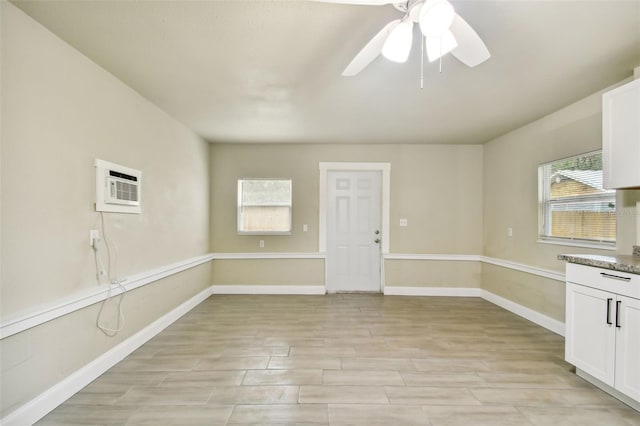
{"x":353,"y":231}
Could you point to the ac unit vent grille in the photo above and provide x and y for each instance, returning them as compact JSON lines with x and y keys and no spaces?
{"x":123,"y":191}
{"x":117,"y":188}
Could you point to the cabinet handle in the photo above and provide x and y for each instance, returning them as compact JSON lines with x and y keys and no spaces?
{"x":609,"y":311}
{"x":618,"y":313}
{"x":615,"y":277}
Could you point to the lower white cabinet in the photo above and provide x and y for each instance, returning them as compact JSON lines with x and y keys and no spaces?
{"x":590,"y":338}
{"x":603,"y":327}
{"x":627,"y":378}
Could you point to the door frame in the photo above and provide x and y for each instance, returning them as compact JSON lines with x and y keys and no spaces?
{"x":385,"y":199}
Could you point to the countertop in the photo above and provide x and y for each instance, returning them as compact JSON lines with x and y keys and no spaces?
{"x":620,"y":262}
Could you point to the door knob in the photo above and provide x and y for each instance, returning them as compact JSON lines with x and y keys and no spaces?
{"x":377,"y":232}
{"x":377,"y":240}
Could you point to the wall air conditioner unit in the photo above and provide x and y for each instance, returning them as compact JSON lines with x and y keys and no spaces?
{"x":117,"y":188}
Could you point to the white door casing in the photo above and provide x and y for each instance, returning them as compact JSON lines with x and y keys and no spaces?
{"x":353,"y":231}
{"x":385,"y":170}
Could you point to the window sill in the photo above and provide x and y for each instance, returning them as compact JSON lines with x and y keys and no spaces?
{"x":594,"y":245}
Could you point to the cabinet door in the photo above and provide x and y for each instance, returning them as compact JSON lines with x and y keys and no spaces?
{"x":628,"y":347}
{"x":590,"y":340}
{"x":621,"y":136}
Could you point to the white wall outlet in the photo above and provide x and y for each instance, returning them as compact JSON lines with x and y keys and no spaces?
{"x":261,"y":244}
{"x":305,"y":228}
{"x":509,"y":232}
{"x":94,"y":237}
{"x":404,"y":222}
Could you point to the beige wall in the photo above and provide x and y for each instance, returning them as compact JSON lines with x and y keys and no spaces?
{"x":510,"y":200}
{"x":60,"y":111}
{"x":437,"y":188}
{"x":543,"y":295}
{"x":432,"y":273}
{"x":268,"y":272}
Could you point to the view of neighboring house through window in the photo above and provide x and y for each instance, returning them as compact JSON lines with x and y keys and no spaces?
{"x":573,"y":205}
{"x":264,"y":206}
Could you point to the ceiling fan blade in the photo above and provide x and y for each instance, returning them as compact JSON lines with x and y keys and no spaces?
{"x":370,"y":51}
{"x":471,"y":50}
{"x":440,"y":46}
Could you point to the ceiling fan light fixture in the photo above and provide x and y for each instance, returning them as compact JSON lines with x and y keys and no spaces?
{"x":436,"y":17}
{"x":398,"y":45}
{"x":437,"y":47}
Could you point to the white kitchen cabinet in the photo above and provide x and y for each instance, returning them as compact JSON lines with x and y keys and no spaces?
{"x":627,"y":378}
{"x":590,"y":336}
{"x":621,"y":136}
{"x":602,"y":336}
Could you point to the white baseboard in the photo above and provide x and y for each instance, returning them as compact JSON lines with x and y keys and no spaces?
{"x":542,"y":320}
{"x":520,"y":310}
{"x":42,"y":314}
{"x":31,"y":318}
{"x":268,"y":289}
{"x":40,"y":406}
{"x":432,"y":291}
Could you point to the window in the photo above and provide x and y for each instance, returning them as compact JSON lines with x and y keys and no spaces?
{"x":574,"y":208}
{"x":264,"y":206}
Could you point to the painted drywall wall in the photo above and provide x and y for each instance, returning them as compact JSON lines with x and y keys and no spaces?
{"x":268,"y":272}
{"x":60,"y":112}
{"x":432,"y":273}
{"x":511,"y":197}
{"x":437,"y":188}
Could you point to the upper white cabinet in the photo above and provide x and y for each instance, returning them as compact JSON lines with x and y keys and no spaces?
{"x":621,"y":136}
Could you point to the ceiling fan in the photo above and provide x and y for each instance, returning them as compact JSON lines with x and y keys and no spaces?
{"x":443,"y":29}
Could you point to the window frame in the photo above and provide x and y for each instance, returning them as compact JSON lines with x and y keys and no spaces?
{"x":544,"y":209}
{"x":240,"y":205}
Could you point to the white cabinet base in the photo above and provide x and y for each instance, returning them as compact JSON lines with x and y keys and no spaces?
{"x":608,"y":389}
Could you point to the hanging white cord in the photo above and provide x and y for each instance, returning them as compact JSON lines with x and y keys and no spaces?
{"x":111,"y":257}
{"x":111,"y":332}
{"x":422,"y":63}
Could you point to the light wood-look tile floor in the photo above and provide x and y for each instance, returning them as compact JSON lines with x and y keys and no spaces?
{"x":349,"y":359}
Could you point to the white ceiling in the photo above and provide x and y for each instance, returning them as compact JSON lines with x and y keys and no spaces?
{"x":269,"y":71}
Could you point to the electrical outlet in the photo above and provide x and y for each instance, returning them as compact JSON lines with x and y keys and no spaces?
{"x":261,"y":244}
{"x":94,"y":237}
{"x":404,"y":222}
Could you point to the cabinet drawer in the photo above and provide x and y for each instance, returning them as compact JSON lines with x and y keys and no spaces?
{"x":604,"y":279}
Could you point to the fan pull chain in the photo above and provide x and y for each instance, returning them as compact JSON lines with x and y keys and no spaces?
{"x":422,"y":63}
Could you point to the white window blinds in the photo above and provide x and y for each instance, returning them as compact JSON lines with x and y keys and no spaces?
{"x":264,"y":206}
{"x":573,"y":205}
